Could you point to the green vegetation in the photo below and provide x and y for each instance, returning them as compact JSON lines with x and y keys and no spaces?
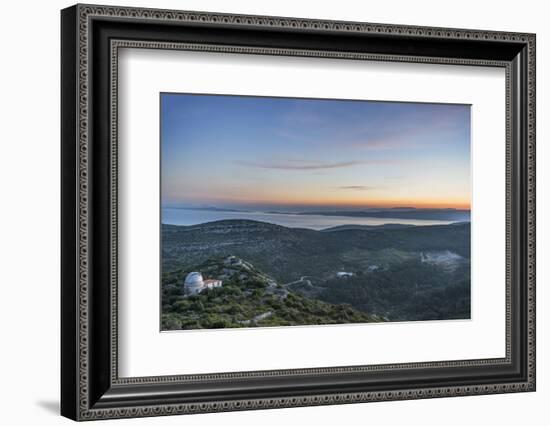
{"x":289,"y":253}
{"x":248,"y":298}
{"x":409,"y":291}
{"x":399,"y":273}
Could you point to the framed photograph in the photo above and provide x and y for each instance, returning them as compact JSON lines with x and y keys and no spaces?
{"x":263,"y":212}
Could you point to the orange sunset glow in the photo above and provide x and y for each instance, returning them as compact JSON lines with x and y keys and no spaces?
{"x":291,"y":154}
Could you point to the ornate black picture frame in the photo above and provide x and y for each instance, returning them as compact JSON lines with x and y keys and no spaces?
{"x":91,"y":36}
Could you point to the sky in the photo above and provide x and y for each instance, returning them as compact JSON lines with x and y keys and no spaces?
{"x":291,"y":153}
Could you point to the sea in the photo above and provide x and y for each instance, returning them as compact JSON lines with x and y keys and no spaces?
{"x":179,"y":216}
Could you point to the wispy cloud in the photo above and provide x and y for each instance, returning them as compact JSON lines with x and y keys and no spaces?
{"x":358,"y":187}
{"x":299,"y":165}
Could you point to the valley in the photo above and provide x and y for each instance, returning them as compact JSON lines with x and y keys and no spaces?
{"x":387,"y":273}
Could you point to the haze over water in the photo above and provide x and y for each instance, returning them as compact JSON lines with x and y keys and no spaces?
{"x":187,"y":217}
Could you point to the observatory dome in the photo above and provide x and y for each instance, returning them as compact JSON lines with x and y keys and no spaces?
{"x":193,"y":283}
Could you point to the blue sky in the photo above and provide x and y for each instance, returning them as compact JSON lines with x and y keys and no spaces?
{"x":238,"y":151}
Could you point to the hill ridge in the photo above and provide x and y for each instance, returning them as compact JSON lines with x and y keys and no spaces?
{"x":247,"y":298}
{"x":404,"y":273}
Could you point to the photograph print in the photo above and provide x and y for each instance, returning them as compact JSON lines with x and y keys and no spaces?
{"x":299,"y":212}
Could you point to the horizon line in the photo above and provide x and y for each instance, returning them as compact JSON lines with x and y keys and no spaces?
{"x":305,"y":208}
{"x":458,"y":222}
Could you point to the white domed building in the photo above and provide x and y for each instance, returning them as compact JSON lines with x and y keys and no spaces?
{"x":195,"y":284}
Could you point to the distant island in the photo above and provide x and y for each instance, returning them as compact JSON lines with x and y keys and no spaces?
{"x":317,"y":219}
{"x":400,"y":213}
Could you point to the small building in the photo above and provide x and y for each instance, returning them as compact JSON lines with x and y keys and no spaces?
{"x":195,"y":284}
{"x":208,"y":284}
{"x":344,"y":274}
